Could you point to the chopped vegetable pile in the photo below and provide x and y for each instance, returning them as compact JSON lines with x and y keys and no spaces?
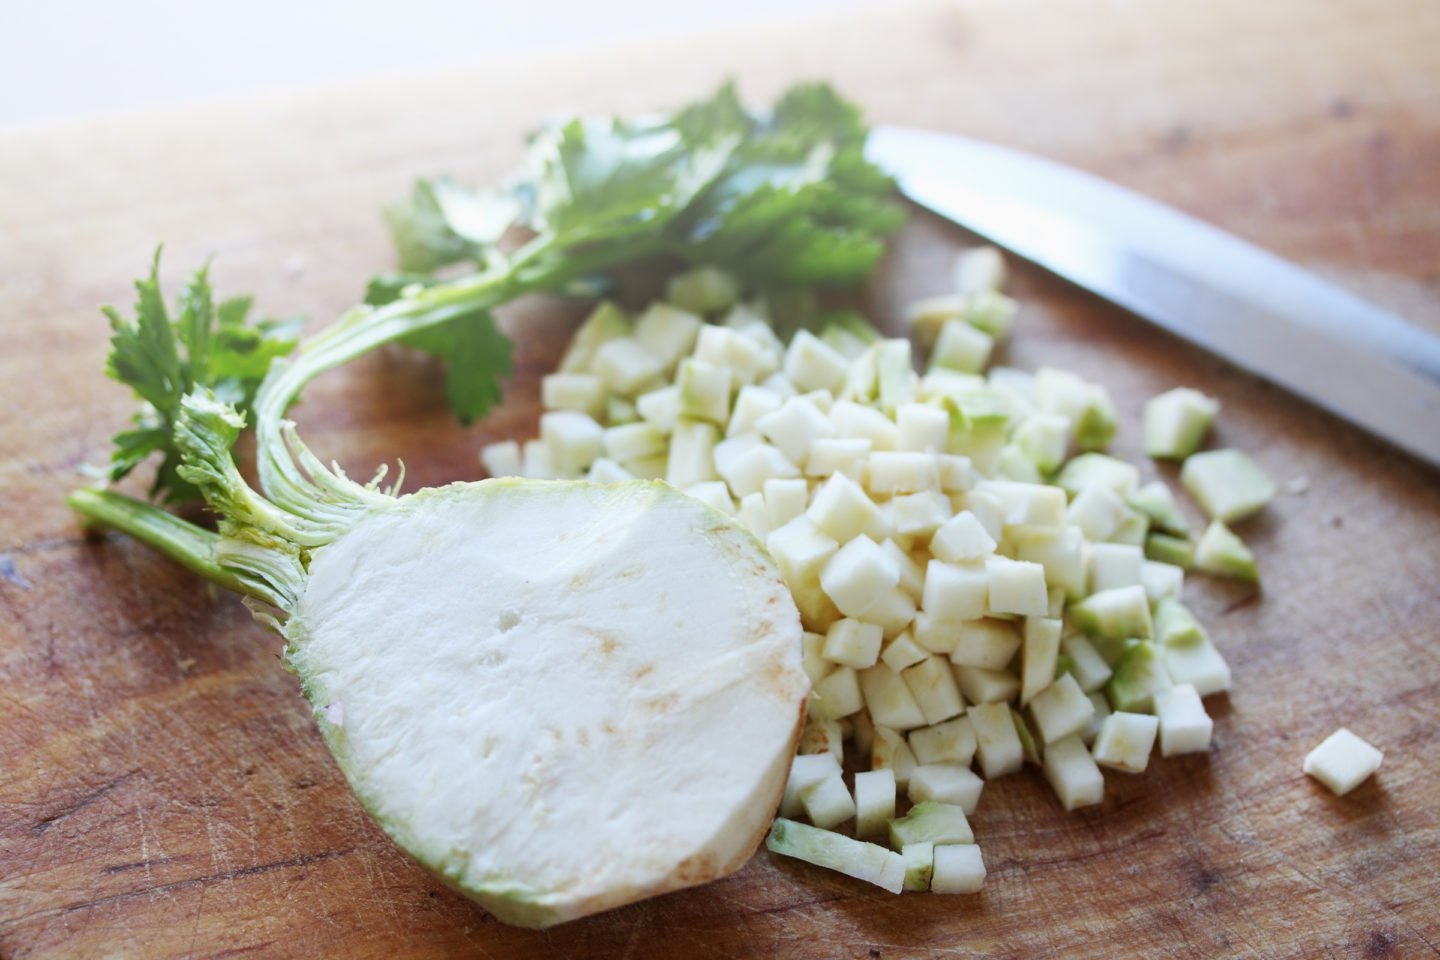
{"x":980,"y":584}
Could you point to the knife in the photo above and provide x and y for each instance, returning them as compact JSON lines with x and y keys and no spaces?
{"x":1236,"y":300}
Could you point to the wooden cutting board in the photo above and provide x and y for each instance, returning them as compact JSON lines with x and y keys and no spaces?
{"x":162,"y":792}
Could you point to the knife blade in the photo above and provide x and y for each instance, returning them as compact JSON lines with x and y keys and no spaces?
{"x":1236,"y":300}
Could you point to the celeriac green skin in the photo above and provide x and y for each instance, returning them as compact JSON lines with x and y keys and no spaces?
{"x":588,"y":713}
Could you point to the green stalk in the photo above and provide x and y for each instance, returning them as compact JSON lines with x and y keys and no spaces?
{"x":182,"y":541}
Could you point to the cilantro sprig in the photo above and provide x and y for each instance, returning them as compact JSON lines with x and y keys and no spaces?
{"x":162,"y":357}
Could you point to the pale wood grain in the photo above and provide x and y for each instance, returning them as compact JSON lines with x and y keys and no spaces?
{"x":162,"y":792}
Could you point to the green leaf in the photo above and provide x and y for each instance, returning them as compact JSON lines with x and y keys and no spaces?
{"x":162,"y":360}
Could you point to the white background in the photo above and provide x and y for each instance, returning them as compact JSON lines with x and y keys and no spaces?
{"x":69,"y":58}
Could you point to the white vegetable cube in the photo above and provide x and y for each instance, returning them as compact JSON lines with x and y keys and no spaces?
{"x":806,"y":770}
{"x":1162,"y":580}
{"x":1061,"y":709}
{"x":581,"y":392}
{"x":889,"y":751}
{"x":1185,"y":727}
{"x":1061,"y":552}
{"x":935,"y":634}
{"x":843,"y":510}
{"x":961,"y":347}
{"x":980,"y":685}
{"x":919,"y":864}
{"x":990,"y":644}
{"x":828,"y":803}
{"x":794,"y":426}
{"x":1114,"y":565}
{"x":1342,"y":761}
{"x":668,"y":332}
{"x":1043,"y":438}
{"x":931,"y":821}
{"x":1016,"y":586}
{"x":1197,"y":663}
{"x":801,"y":549}
{"x":660,"y":407}
{"x":978,"y":270}
{"x":756,"y":466}
{"x":573,"y":440}
{"x":858,"y":575}
{"x":912,"y":575}
{"x":955,"y":591}
{"x":932,"y":684}
{"x":893,"y":612}
{"x":751,"y":403}
{"x":950,"y":742}
{"x":855,"y":420}
{"x":896,"y":471}
{"x":853,"y":643}
{"x":714,"y":495}
{"x":501,"y":459}
{"x":958,"y":868}
{"x":869,"y":862}
{"x":753,"y":515}
{"x":692,"y":449}
{"x":785,"y":499}
{"x":823,"y":736}
{"x":1120,"y":613}
{"x":1038,"y":656}
{"x":874,"y":802}
{"x":919,"y":514}
{"x":627,"y":365}
{"x":1227,"y":484}
{"x":837,"y":695}
{"x":634,"y":441}
{"x":847,"y":455}
{"x":903,"y":652}
{"x":889,"y":700}
{"x":1086,"y":665}
{"x":747,"y":360}
{"x":1028,"y":504}
{"x":1125,"y":741}
{"x":704,"y":391}
{"x":1176,"y":422}
{"x":605,"y":470}
{"x":1098,"y":511}
{"x":921,"y":428}
{"x":962,"y":538}
{"x":997,"y":744}
{"x":1072,"y":773}
{"x":812,"y":364}
{"x":812,"y":657}
{"x":947,"y":783}
{"x":956,"y":472}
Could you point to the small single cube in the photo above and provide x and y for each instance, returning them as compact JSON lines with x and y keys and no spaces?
{"x":842,"y":509}
{"x":1016,"y":586}
{"x":903,"y":652}
{"x":751,"y":403}
{"x":1184,"y":725}
{"x":921,"y":428}
{"x":801,"y":550}
{"x":1061,"y":709}
{"x":837,"y":695}
{"x":823,"y":736}
{"x":828,"y":803}
{"x":933,"y":821}
{"x":958,"y":868}
{"x":627,"y":365}
{"x":1125,"y":741}
{"x":812,"y":364}
{"x":895,"y":471}
{"x":955,"y":591}
{"x":919,"y":864}
{"x":845,"y":455}
{"x":932,"y":684}
{"x":1072,"y":773}
{"x":1086,"y":665}
{"x":912,"y":575}
{"x":1098,"y":512}
{"x":920,"y":514}
{"x":1227,"y":484}
{"x":979,"y":685}
{"x":996,"y":742}
{"x":1115,"y":565}
{"x":889,"y":699}
{"x":704,"y":391}
{"x":874,"y":802}
{"x":858,"y":575}
{"x":962,"y":538}
{"x":501,"y":459}
{"x":853,"y":643}
{"x":990,"y":644}
{"x":1038,"y":656}
{"x":947,"y":783}
{"x":1342,"y":761}
{"x":950,"y":742}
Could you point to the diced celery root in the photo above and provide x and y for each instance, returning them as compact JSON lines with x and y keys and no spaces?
{"x":972,"y":589}
{"x":1342,"y":761}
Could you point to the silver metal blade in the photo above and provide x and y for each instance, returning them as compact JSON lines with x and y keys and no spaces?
{"x":1234,"y":299}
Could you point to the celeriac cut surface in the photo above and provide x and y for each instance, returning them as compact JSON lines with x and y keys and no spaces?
{"x":562,"y":697}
